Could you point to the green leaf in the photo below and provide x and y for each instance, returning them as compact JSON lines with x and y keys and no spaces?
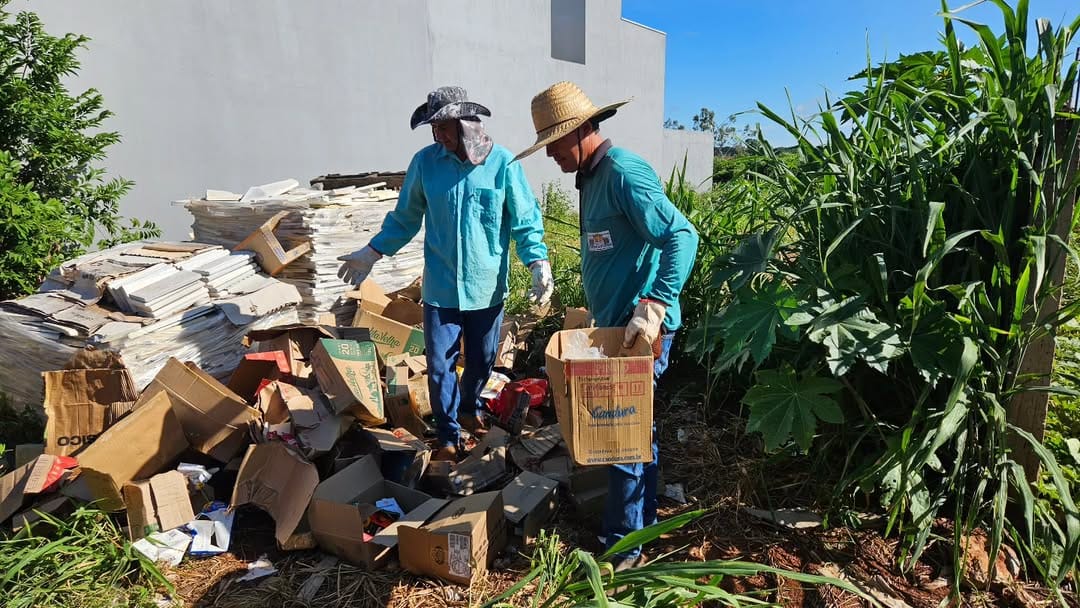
{"x":783,"y":406}
{"x":747,"y":260}
{"x":750,"y":323}
{"x":850,"y":333}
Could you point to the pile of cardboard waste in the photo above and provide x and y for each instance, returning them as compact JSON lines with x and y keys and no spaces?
{"x":146,"y":301}
{"x":328,"y":430}
{"x":317,"y":226}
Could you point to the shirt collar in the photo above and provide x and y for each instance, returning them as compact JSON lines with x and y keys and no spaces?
{"x":594,"y":162}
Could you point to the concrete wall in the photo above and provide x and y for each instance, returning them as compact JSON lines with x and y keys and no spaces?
{"x":210,"y":94}
{"x":696,"y":148}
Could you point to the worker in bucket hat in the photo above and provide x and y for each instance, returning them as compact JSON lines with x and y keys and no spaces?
{"x":637,"y":251}
{"x":472,"y":201}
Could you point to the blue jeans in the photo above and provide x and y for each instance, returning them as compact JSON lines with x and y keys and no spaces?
{"x":631,"y":499}
{"x":443,"y":332}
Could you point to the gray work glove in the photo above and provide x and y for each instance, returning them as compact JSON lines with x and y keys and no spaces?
{"x":357,"y":265}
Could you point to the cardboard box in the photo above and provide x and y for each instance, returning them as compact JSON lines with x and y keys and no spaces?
{"x":604,"y":406}
{"x":403,"y":457}
{"x":295,"y":340}
{"x":278,"y":481}
{"x":576,"y":318}
{"x":419,"y":396}
{"x":370,"y":296}
{"x":348,"y":372}
{"x":392,"y":338}
{"x":145,"y":442}
{"x":81,"y":403}
{"x":254,"y":369}
{"x":308,"y":414}
{"x":459,"y":543}
{"x":268,"y":250}
{"x":214,"y":418}
{"x":483,"y":467}
{"x":337,"y":512}
{"x":400,"y":412}
{"x":32,"y":478}
{"x":529,"y":501}
{"x":157,"y":504}
{"x":413,"y":291}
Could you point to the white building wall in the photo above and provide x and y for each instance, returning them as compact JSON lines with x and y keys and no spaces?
{"x":211,"y":94}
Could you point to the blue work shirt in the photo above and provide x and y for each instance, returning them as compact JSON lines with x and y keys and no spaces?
{"x":634,"y":242}
{"x":469,"y":213}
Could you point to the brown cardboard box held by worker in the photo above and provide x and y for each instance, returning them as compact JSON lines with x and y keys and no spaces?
{"x":460,"y":541}
{"x":604,"y":405}
{"x":343,"y":504}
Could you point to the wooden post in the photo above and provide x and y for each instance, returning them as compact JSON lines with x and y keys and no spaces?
{"x":1028,"y":409}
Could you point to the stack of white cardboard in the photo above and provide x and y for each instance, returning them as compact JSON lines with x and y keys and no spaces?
{"x":334,"y":222}
{"x":147,"y":301}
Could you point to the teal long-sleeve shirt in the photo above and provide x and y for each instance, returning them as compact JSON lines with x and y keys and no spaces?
{"x":634,"y":243}
{"x":470,"y":213}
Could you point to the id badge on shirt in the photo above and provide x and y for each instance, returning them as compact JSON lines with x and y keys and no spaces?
{"x":599,"y":241}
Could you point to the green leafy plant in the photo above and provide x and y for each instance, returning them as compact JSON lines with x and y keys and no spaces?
{"x":908,"y":258}
{"x":578,"y":578}
{"x":54,"y":200}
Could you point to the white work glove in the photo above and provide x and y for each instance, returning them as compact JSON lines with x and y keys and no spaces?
{"x":646,"y":322}
{"x":543,"y":284}
{"x":357,"y":265}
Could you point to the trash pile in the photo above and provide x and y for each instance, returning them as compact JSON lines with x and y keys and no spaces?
{"x":146,"y":302}
{"x":327,"y":223}
{"x":326,"y":428}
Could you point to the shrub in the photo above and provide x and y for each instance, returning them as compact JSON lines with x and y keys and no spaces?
{"x":903,"y":281}
{"x":52,"y":142}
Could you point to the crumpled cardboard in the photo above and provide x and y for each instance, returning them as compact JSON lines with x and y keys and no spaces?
{"x":308,"y":413}
{"x":484,"y":466}
{"x":296,"y":340}
{"x":31,"y":479}
{"x":214,"y":419}
{"x":145,"y":442}
{"x":157,"y":504}
{"x":81,"y":403}
{"x":404,"y":458}
{"x":279,"y":481}
{"x":348,"y":373}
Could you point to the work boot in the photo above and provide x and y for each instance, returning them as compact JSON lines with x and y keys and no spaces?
{"x":473,"y":424}
{"x":446,"y":453}
{"x":627,"y":563}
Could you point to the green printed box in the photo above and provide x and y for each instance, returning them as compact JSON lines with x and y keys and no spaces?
{"x":392,"y":337}
{"x":348,"y":373}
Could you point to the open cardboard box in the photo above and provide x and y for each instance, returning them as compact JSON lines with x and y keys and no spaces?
{"x":214,"y":419}
{"x":604,"y":406}
{"x":279,"y":481}
{"x":81,"y":403}
{"x":296,"y":340}
{"x":392,"y":337}
{"x":337,"y":519}
{"x":268,"y":250}
{"x":348,"y":373}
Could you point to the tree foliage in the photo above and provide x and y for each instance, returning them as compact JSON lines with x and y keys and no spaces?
{"x":55,"y":200}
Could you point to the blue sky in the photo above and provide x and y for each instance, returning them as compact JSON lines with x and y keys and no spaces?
{"x":727,"y":55}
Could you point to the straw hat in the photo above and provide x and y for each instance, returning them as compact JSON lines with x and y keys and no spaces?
{"x":560,"y":109}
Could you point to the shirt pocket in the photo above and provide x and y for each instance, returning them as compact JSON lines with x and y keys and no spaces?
{"x":489,"y":210}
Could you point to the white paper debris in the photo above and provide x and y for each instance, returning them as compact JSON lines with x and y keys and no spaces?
{"x":164,"y":547}
{"x":801,"y":520}
{"x":258,"y":569}
{"x":213,"y":530}
{"x":577,"y":347}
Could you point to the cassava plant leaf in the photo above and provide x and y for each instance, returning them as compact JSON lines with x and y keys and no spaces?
{"x":784,"y":406}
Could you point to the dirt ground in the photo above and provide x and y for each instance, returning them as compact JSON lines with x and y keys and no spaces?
{"x":721,"y":469}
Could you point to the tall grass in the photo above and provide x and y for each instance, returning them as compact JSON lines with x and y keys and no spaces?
{"x":82,"y":561}
{"x":888,"y":308}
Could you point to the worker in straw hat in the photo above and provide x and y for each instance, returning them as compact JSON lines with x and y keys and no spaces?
{"x":472,"y":201}
{"x":637,"y":251}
